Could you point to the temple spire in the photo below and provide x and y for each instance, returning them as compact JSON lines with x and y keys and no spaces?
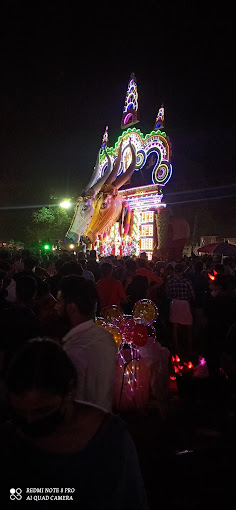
{"x":159,"y":122}
{"x":131,"y":110}
{"x":105,"y":139}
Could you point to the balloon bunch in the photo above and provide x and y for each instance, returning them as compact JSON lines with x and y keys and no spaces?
{"x":131,"y":333}
{"x":131,"y":329}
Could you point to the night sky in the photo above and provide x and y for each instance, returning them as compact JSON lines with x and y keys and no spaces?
{"x":64,"y":75}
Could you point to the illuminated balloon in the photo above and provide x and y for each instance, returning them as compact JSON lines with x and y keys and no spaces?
{"x":139,"y":335}
{"x":115,"y":333}
{"x":146,"y":310}
{"x":126,"y":327}
{"x":111,"y":312}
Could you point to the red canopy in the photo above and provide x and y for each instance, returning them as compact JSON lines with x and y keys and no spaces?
{"x":208,"y":248}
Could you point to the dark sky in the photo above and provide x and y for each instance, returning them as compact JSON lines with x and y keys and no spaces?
{"x":64,"y":74}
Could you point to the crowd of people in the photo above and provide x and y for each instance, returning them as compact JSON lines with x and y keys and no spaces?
{"x":57,"y":364}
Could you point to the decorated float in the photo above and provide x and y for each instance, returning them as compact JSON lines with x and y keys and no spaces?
{"x":121,"y":211}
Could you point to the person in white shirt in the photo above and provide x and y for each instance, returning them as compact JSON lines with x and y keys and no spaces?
{"x":90,"y":347}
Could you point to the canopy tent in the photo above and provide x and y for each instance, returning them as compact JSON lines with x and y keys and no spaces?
{"x":225,"y":249}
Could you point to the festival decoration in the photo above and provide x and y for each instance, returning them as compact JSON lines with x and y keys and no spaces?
{"x":141,"y":367}
{"x":105,"y":139}
{"x":146,"y":310}
{"x":108,"y":204}
{"x":117,"y":196}
{"x":84,"y":207}
{"x":159,"y":122}
{"x":131,"y":111}
{"x":155,"y":143}
{"x":131,"y":382}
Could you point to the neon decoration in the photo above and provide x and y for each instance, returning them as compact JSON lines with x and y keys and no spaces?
{"x":130,"y":112}
{"x":118,"y":216}
{"x":155,"y":143}
{"x":105,"y":139}
{"x":159,"y":122}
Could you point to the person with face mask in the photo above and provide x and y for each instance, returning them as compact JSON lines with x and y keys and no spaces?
{"x":52,"y":440}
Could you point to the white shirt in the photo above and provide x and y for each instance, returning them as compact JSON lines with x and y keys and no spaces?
{"x":92,"y":350}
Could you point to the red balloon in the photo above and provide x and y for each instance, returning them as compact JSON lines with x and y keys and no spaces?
{"x":140,"y":335}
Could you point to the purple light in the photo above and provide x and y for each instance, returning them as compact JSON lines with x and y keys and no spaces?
{"x":127,"y":117}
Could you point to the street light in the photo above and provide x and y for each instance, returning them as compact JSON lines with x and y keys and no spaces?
{"x":65,"y":204}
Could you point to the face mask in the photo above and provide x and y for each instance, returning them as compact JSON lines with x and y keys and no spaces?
{"x":41,"y":427}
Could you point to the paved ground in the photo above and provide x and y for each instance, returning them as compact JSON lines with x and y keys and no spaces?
{"x":188,"y":459}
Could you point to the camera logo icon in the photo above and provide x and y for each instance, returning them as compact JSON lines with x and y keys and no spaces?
{"x":15,"y":494}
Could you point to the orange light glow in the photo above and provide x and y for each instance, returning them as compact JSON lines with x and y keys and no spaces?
{"x":211,"y":277}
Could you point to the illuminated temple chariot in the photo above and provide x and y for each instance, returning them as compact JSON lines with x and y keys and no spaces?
{"x":120,"y":212}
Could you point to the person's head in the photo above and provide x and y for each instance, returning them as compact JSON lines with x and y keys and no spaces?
{"x":106,"y":269}
{"x":78,"y":300}
{"x":41,"y":381}
{"x":93,"y":255}
{"x":72,"y":267}
{"x":58,"y":264}
{"x":30,"y":263}
{"x":169,"y":270}
{"x":143,"y":255}
{"x":83,"y":263}
{"x":131,"y":266}
{"x":142,"y":262}
{"x":26,"y":290}
{"x":179,"y":269}
{"x":159,"y":267}
{"x":81,"y":256}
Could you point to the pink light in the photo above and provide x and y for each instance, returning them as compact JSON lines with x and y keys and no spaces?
{"x":202,"y":361}
{"x":127,"y":117}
